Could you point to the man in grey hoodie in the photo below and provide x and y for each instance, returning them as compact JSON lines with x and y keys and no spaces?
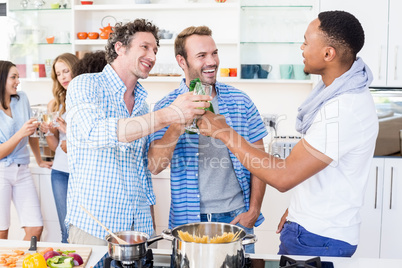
{"x":329,"y":167}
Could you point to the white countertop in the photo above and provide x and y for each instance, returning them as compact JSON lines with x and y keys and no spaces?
{"x":99,"y":251}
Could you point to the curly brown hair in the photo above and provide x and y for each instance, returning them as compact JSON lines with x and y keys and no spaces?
{"x":59,"y":92}
{"x":124,"y":34}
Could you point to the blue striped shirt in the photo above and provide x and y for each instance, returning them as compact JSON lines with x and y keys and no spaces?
{"x":109,"y":178}
{"x":242,"y":115}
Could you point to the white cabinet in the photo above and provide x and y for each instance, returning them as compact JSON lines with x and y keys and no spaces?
{"x":271,"y":32}
{"x":29,"y":48}
{"x":381,"y":21}
{"x":380,"y":232}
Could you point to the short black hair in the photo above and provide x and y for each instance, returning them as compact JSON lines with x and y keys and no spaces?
{"x":92,"y":62}
{"x":343,"y":31}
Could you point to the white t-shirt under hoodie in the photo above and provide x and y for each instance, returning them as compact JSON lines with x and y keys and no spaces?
{"x":328,"y":203}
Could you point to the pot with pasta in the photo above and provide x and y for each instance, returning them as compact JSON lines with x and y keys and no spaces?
{"x":208,"y":244}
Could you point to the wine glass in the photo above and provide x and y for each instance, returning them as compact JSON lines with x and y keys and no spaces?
{"x":36,"y":113}
{"x":199,"y":89}
{"x":55,"y":115}
{"x":48,"y":118}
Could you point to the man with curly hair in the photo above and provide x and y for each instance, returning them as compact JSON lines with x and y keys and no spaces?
{"x":108,"y":124}
{"x":329,"y":167}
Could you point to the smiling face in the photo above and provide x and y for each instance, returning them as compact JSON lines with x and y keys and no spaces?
{"x":140,"y":57}
{"x":12,"y":82}
{"x":314,"y":49}
{"x":202,"y":59}
{"x":63,"y":74}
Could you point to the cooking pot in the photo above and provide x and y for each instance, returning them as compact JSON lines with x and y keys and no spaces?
{"x":194,"y":255}
{"x":136,"y":248}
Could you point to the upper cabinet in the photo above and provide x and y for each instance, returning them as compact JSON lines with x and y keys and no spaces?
{"x":258,"y":39}
{"x":381,"y":22}
{"x":42,"y":32}
{"x":272,"y":32}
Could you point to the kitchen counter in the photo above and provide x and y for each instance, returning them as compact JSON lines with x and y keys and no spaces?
{"x":99,"y":251}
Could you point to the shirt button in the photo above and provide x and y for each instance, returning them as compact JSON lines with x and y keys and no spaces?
{"x":196,"y":175}
{"x":198,"y":216}
{"x":198,"y":196}
{"x":197,"y":154}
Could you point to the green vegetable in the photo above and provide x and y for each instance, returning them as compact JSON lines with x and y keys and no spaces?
{"x":60,"y":262}
{"x":193,"y":83}
{"x":65,"y":252}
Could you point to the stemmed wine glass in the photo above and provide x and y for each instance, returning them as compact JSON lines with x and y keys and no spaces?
{"x":36,"y":113}
{"x":200,"y":89}
{"x":48,"y":118}
{"x":55,"y":115}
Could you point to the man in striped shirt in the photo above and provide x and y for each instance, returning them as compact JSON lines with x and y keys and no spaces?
{"x":208,"y":183}
{"x":108,"y":124}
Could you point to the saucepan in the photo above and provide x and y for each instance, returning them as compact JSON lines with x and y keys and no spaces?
{"x":198,"y":255}
{"x":136,"y":248}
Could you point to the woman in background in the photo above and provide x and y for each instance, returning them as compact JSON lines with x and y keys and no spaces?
{"x":61,"y":75}
{"x":16,"y":181}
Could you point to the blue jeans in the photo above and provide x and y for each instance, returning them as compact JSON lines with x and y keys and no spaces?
{"x":227,"y":217}
{"x":295,"y":240}
{"x":59,"y":187}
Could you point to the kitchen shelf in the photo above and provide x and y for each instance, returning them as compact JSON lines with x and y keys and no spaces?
{"x":278,"y":6}
{"x":176,"y":79}
{"x":162,"y":7}
{"x":271,"y":42}
{"x":161,"y":42}
{"x":40,"y":9}
{"x":43,"y":44}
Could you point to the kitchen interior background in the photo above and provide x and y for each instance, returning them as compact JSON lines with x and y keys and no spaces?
{"x":256,"y":35}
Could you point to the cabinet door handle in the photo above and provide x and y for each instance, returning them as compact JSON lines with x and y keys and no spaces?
{"x":390,"y":194}
{"x":379,"y":63}
{"x":376,"y":188}
{"x":396,"y":63}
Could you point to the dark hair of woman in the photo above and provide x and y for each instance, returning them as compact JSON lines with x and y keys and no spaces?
{"x":5,"y":67}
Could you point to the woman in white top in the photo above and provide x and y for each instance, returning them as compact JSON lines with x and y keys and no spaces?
{"x":61,"y":76}
{"x":16,"y":182}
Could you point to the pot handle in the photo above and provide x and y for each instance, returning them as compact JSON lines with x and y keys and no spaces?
{"x":249,"y":239}
{"x":167,"y":234}
{"x":154,"y":239}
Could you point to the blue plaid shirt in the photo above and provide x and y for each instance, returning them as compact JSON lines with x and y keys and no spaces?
{"x":109,"y":178}
{"x":242,"y":115}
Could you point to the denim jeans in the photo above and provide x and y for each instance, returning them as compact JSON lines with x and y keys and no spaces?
{"x":227,"y":217}
{"x":59,"y":187}
{"x":295,"y":240}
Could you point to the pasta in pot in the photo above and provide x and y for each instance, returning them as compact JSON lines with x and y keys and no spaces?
{"x":224,"y":238}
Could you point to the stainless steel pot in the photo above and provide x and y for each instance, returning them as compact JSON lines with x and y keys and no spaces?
{"x":194,"y":255}
{"x":135,"y":250}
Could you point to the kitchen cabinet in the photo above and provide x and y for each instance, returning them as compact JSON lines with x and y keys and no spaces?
{"x":381,"y":214}
{"x":272,"y":32}
{"x":29,"y":49}
{"x":171,"y":16}
{"x":381,"y":22}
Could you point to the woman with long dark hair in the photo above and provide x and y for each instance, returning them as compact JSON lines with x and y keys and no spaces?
{"x":16,"y":183}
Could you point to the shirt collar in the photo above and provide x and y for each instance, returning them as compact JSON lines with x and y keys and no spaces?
{"x":119,"y":87}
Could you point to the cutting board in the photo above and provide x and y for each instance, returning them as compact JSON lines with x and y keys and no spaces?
{"x":84,"y":252}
